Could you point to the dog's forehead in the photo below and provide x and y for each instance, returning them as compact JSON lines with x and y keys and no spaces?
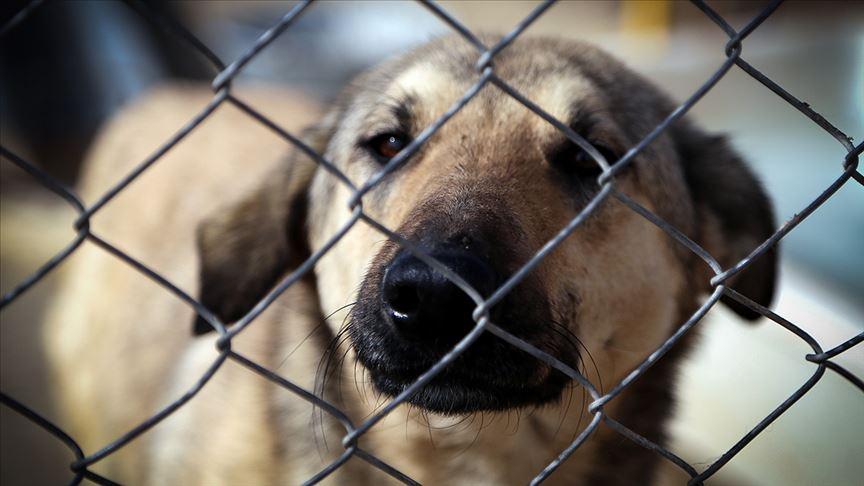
{"x":424,"y":84}
{"x":432,"y":88}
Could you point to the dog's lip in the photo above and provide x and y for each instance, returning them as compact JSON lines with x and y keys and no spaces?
{"x":457,"y":373}
{"x":485,"y":377}
{"x":454,"y":394}
{"x":464,"y":375}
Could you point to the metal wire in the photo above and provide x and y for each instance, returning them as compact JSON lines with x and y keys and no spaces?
{"x":485,"y":68}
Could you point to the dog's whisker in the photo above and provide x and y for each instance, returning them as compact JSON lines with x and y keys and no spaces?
{"x":593,"y":362}
{"x":321,"y":378}
{"x":581,"y":414}
{"x":295,"y":348}
{"x":577,"y":344}
{"x":350,"y":304}
{"x":429,"y":429}
{"x":312,"y":332}
{"x":563,"y":413}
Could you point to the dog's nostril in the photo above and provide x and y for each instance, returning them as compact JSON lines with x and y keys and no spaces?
{"x":404,"y":300}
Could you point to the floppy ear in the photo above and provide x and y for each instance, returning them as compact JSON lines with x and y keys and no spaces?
{"x":245,"y":249}
{"x":733,"y":213}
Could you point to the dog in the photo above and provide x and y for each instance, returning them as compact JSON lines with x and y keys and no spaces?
{"x":482,"y":196}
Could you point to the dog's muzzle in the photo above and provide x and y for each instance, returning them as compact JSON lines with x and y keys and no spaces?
{"x":409,"y":315}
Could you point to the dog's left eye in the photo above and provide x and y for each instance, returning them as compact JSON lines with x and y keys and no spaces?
{"x":386,"y":145}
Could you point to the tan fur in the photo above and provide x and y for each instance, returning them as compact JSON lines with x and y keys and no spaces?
{"x":122,"y":347}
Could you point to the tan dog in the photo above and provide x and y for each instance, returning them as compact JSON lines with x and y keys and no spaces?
{"x":482,"y":196}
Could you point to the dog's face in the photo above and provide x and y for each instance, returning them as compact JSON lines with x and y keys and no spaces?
{"x":482,"y":196}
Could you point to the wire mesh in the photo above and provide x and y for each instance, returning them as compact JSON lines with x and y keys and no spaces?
{"x":485,"y":69}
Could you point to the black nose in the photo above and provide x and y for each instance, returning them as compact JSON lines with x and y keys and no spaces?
{"x":423,"y":305}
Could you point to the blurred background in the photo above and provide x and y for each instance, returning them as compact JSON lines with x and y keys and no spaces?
{"x":71,"y":65}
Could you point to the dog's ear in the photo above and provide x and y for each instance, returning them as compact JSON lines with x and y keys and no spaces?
{"x":244,"y":249}
{"x":733,"y":213}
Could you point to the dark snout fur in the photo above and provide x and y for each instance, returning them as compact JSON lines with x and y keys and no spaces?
{"x":480,"y":240}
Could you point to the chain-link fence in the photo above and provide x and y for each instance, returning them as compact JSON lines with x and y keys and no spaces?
{"x":486,"y":75}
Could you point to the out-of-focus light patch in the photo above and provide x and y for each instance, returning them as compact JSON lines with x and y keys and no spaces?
{"x":327,"y":45}
{"x":644,"y":28}
{"x":740,"y":371}
{"x":858,"y":85}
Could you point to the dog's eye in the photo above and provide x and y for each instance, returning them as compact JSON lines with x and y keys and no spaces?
{"x":386,"y":145}
{"x":574,"y":162}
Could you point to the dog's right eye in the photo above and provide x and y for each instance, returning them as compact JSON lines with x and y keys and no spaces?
{"x":386,"y":145}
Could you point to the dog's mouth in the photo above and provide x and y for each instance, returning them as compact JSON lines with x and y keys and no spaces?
{"x":490,"y":375}
{"x":461,"y":388}
{"x":409,"y":316}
